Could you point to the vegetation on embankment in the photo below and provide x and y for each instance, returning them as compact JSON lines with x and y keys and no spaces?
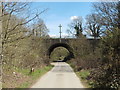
{"x":102,"y":62}
{"x":22,"y":78}
{"x":22,"y":44}
{"x":101,"y":59}
{"x":34,"y":76}
{"x":83,"y":75}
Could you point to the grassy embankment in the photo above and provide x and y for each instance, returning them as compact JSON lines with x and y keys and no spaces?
{"x":34,"y":76}
{"x":83,"y":75}
{"x":23,"y":79}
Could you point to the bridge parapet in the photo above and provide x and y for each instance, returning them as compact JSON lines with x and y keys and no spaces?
{"x":51,"y":41}
{"x":56,"y":40}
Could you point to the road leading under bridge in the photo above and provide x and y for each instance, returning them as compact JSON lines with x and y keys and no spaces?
{"x":61,"y":76}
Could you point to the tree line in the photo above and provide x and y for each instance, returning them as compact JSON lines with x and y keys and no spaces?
{"x":22,"y":35}
{"x":103,"y":58}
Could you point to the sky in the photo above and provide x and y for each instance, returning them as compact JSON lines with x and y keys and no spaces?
{"x":61,"y":13}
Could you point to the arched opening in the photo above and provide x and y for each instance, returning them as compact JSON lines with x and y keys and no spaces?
{"x":66,"y":46}
{"x":59,"y":54}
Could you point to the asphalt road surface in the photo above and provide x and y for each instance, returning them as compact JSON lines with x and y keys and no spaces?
{"x":61,"y":76}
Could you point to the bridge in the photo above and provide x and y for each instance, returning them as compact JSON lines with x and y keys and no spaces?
{"x":52,"y":43}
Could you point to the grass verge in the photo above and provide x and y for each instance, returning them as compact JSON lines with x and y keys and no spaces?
{"x":33,"y":77}
{"x":83,"y":74}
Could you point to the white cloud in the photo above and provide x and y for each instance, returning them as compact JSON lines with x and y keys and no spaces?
{"x":54,"y":36}
{"x":64,"y":35}
{"x":74,"y":17}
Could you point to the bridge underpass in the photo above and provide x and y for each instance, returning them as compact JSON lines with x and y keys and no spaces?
{"x":64,"y":45}
{"x":52,"y":43}
{"x":62,"y":75}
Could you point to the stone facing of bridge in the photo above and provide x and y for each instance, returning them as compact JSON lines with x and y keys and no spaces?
{"x":63,"y":42}
{"x":51,"y":41}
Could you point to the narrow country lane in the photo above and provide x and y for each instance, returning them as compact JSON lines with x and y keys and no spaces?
{"x":61,"y":76}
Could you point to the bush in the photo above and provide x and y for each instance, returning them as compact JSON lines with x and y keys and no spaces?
{"x":107,"y":74}
{"x":85,"y":57}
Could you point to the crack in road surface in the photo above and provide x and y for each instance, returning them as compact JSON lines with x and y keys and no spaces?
{"x":61,"y":76}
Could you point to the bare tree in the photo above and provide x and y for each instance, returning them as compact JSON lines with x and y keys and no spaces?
{"x":108,"y":12}
{"x":110,"y":15}
{"x":94,"y":25}
{"x":118,"y":19}
{"x":9,"y":13}
{"x":76,"y":27}
{"x":16,"y":29}
{"x":40,"y":29}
